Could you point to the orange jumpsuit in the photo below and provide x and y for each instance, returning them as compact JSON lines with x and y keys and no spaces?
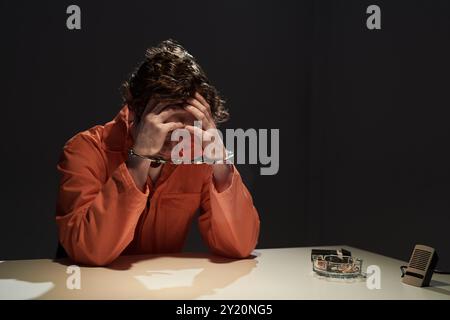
{"x":101,"y":214}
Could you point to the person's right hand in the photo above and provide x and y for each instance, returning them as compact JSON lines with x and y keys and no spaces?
{"x":151,"y":131}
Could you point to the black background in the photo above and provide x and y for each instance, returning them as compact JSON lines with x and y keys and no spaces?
{"x":363,"y":114}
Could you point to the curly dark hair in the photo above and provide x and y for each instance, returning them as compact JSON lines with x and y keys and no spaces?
{"x":167,"y":73}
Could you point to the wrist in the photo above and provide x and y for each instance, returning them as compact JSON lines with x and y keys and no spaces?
{"x":222,"y":176}
{"x":136,"y":162}
{"x":142,"y":152}
{"x":138,"y":169}
{"x":153,"y":162}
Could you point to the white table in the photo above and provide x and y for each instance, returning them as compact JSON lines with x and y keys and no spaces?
{"x":272,"y":274}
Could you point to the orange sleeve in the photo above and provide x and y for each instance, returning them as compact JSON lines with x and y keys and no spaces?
{"x":229,"y":223}
{"x":96,"y":213}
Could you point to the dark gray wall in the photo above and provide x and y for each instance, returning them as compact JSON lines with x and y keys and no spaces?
{"x":379,"y":156}
{"x":362,"y":114}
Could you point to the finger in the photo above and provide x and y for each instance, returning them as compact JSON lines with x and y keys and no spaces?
{"x":150,"y":106}
{"x":167,"y":113}
{"x":196,"y":103}
{"x":160,"y":106}
{"x":200,"y":98}
{"x":171,"y":126}
{"x":199,"y":116}
{"x":198,"y":132}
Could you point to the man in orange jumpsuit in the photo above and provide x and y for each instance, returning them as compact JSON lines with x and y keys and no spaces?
{"x":113,"y":200}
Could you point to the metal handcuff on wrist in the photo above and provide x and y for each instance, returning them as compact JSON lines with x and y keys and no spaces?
{"x":157,"y":161}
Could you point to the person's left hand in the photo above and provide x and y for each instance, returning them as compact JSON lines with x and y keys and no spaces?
{"x":201,"y":110}
{"x":208,"y":133}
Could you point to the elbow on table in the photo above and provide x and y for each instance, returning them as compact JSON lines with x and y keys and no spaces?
{"x":89,"y":258}
{"x":236,"y":252}
{"x":98,"y":261}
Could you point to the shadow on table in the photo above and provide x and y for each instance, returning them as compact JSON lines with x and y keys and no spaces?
{"x":174,"y":276}
{"x":438,"y":287}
